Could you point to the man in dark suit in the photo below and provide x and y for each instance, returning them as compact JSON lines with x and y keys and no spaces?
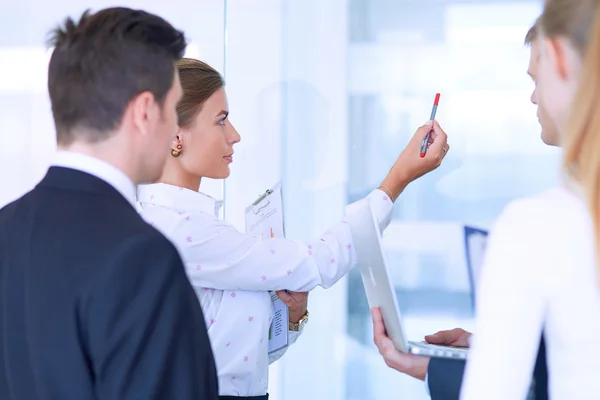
{"x":444,"y":376}
{"x":95,"y":303}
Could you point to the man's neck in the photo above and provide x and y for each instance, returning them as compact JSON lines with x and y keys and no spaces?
{"x":110,"y":153}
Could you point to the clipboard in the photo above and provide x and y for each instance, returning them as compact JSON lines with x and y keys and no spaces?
{"x":265,"y":221}
{"x":264,"y":217}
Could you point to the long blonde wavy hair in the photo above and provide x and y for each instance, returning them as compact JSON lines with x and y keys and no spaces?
{"x":579,"y":22}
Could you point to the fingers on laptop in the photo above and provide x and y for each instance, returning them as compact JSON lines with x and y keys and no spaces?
{"x":455,"y":337}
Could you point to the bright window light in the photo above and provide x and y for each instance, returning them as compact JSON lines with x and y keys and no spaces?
{"x":24,"y":69}
{"x":192,"y":51}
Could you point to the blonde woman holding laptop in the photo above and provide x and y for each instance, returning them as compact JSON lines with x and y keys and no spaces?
{"x":232,"y":273}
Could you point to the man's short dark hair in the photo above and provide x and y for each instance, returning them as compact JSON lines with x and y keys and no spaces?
{"x":532,"y":34}
{"x":102,"y":62}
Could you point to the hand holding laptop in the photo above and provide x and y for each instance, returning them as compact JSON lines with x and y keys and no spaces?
{"x":410,"y":364}
{"x":380,"y":290}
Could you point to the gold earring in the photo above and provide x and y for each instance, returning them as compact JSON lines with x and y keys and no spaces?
{"x":175,"y":153}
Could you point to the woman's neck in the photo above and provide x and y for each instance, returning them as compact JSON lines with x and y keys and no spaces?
{"x":179,"y":178}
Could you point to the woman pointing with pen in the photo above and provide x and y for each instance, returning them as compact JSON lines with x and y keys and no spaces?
{"x":231,"y":272}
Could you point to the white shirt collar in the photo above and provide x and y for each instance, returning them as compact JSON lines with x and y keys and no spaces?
{"x":98,"y":168}
{"x":178,"y":198}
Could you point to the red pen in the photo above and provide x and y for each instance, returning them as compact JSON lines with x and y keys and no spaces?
{"x":433,"y":111}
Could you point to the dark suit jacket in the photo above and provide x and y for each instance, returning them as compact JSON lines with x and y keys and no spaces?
{"x":444,"y":377}
{"x":95,"y":303}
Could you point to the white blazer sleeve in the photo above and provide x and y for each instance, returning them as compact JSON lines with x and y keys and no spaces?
{"x":218,"y":256}
{"x":510,"y":307}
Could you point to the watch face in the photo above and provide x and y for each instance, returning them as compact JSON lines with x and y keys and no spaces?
{"x":303,"y":322}
{"x":300,"y":324}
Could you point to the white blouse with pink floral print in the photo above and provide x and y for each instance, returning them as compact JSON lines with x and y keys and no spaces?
{"x":232,"y":274}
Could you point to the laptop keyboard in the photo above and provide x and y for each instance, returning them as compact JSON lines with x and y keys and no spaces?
{"x":439,"y":351}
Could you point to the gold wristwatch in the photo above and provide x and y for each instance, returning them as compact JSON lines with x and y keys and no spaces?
{"x":300,"y":325}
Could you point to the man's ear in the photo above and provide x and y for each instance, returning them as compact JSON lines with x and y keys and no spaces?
{"x":141,"y":110}
{"x":558,"y":55}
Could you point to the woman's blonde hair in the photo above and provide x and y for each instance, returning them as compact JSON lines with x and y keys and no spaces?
{"x":579,"y":22}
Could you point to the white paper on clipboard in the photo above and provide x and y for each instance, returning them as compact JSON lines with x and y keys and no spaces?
{"x":264,"y":217}
{"x":264,"y":220}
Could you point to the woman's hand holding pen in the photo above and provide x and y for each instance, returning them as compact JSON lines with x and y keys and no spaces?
{"x":410,"y":165}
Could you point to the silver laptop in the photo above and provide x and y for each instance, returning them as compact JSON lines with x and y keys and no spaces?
{"x":380,"y":290}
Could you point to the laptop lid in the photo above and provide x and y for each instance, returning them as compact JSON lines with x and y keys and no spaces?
{"x":375,"y":276}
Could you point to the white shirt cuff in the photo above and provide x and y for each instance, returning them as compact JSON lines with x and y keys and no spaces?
{"x":380,"y":203}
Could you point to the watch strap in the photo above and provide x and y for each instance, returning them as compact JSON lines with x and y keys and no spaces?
{"x":300,"y":324}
